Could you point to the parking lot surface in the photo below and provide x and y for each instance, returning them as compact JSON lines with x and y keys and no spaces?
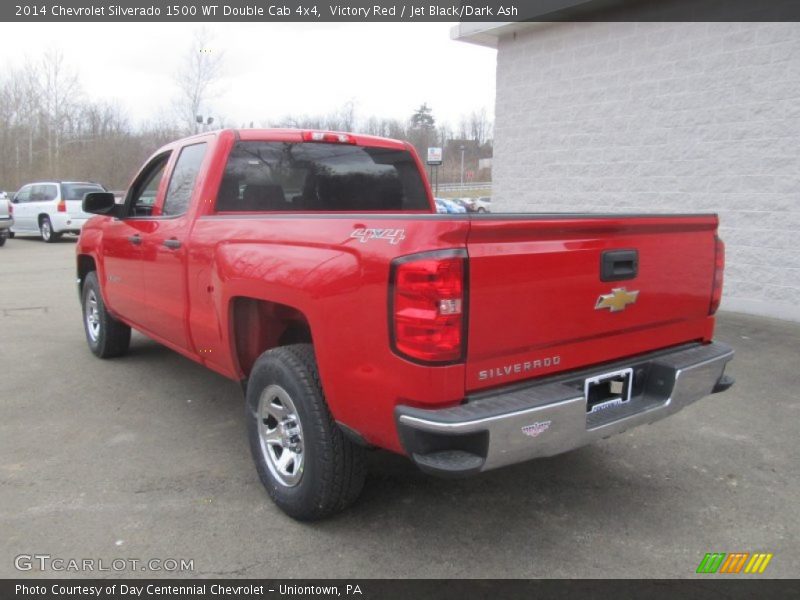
{"x":146,"y":457}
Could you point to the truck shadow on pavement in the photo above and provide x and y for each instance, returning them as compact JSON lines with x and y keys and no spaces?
{"x":546,"y":493}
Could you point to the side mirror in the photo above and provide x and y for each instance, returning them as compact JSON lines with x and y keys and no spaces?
{"x":100,"y":203}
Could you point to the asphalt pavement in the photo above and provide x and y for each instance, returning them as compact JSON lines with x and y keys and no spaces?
{"x":145,"y":457}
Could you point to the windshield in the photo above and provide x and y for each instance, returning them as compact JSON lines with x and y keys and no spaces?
{"x":279,"y":176}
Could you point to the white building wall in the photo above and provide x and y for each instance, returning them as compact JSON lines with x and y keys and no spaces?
{"x":672,"y":117}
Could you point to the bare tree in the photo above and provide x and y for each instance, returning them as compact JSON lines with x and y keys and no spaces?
{"x":20,"y":120}
{"x":197,"y":79}
{"x":479,"y":126}
{"x":59,"y":93}
{"x":48,"y":128}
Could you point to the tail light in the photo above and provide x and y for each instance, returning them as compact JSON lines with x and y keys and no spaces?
{"x":719,"y":269}
{"x":427,"y":306}
{"x":62,"y":206}
{"x":10,"y":208}
{"x":328,"y":136}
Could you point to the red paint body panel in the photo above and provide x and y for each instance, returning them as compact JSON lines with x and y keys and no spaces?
{"x":545,"y":274}
{"x":532,"y":285}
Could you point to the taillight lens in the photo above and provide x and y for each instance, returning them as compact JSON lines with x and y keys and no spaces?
{"x":428,"y":306}
{"x":62,"y":206}
{"x":719,"y":269}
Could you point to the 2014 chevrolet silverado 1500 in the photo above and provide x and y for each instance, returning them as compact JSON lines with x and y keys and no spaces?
{"x":311,"y":267}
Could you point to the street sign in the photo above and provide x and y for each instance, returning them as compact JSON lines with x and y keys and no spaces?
{"x":434,"y":156}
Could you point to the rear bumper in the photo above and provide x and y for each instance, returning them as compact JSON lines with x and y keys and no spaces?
{"x":549,"y":417}
{"x":66,"y":223}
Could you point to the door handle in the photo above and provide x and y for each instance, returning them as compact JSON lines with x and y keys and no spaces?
{"x":619,"y":265}
{"x":135,"y":239}
{"x":172,"y":243}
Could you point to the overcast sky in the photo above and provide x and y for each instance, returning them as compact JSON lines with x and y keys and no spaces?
{"x":272,"y":70}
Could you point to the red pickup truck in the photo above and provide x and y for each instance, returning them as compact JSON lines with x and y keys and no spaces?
{"x":312,"y":267}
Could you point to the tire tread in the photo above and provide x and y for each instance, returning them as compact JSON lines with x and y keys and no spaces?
{"x":343,"y":463}
{"x":115,"y":336}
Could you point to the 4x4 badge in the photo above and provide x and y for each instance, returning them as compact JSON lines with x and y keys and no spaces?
{"x":617,"y":300}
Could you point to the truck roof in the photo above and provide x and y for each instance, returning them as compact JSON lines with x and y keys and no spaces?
{"x":296,"y":135}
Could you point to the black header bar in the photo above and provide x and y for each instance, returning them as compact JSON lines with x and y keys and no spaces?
{"x":309,"y":11}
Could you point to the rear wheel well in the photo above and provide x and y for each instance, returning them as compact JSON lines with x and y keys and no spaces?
{"x":86,"y":265}
{"x":260,"y":325}
{"x":42,"y":218}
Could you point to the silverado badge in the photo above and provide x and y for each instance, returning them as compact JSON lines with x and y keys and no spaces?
{"x":617,"y":300}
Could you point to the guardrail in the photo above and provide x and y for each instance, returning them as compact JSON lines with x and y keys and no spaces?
{"x":466,"y":186}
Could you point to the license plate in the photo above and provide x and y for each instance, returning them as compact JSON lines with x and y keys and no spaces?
{"x":608,"y":390}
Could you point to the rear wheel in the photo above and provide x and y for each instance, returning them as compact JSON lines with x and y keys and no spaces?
{"x":307,"y":465}
{"x":46,"y":231}
{"x":107,"y":337}
{"x":2,"y":239}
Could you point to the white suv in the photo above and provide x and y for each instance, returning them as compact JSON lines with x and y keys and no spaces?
{"x":50,"y":208}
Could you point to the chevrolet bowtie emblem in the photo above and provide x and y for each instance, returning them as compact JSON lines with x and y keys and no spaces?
{"x":617,"y":300}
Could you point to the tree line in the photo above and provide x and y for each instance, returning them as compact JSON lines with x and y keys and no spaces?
{"x":50,"y":129}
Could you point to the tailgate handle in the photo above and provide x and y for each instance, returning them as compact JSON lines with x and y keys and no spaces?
{"x":619,"y":265}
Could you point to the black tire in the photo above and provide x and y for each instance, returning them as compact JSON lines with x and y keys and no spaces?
{"x":2,"y":240}
{"x":107,"y":337}
{"x":46,"y":231}
{"x":11,"y":235}
{"x":333,"y":468}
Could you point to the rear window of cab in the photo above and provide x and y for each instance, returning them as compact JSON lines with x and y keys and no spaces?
{"x":289,"y":176}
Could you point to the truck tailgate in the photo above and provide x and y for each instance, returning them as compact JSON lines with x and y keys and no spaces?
{"x":536,"y":302}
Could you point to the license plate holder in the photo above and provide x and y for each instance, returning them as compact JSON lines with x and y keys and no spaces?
{"x":609,"y":390}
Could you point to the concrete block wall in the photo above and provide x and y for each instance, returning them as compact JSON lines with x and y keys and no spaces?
{"x":662,"y":117}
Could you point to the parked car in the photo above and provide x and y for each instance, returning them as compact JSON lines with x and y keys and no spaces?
{"x":482,"y":204}
{"x":448,"y":206}
{"x":465,"y":203}
{"x":51,"y":208}
{"x":319,"y":278}
{"x":6,"y":220}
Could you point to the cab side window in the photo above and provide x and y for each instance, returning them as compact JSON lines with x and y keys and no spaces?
{"x":50,"y":192}
{"x":184,"y":175}
{"x":143,"y":192}
{"x":38,"y":193}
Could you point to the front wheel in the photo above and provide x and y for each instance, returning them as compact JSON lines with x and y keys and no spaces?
{"x":46,"y":231}
{"x":107,"y":337}
{"x":2,"y":239}
{"x":307,"y":465}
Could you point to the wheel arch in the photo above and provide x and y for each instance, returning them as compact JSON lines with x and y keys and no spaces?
{"x":85,"y":265}
{"x":257,"y":325}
